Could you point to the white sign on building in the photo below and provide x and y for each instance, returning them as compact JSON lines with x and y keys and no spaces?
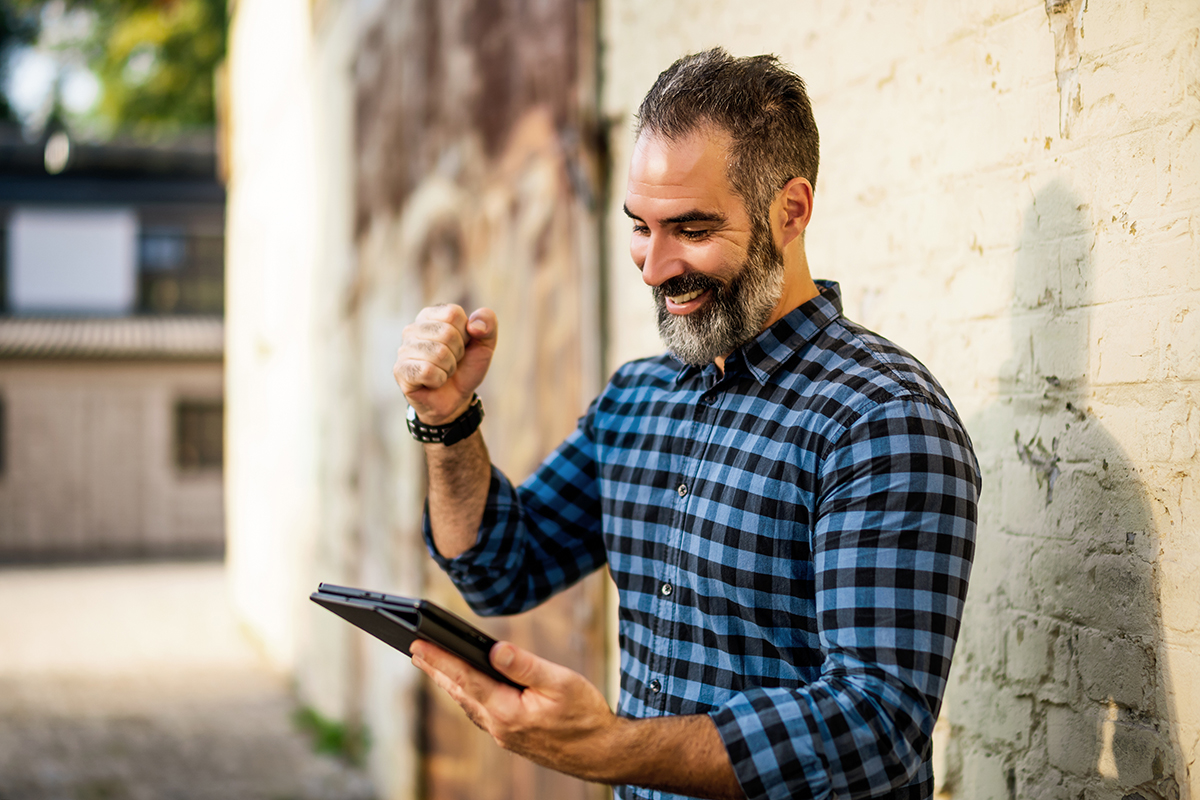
{"x":72,"y":261}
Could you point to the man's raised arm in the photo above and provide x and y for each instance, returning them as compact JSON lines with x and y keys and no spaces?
{"x":443,"y":358}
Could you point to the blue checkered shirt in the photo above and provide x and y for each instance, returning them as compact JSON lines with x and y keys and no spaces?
{"x":791,"y":542}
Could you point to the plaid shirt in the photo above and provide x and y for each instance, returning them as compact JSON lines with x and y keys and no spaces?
{"x":791,"y":542}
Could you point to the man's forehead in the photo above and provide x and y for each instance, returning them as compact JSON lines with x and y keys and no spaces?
{"x":688,"y":165}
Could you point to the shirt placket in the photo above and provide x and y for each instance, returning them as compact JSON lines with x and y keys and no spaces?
{"x":687,"y":475}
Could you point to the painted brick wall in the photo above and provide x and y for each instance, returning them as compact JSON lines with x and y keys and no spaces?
{"x":1011,"y":190}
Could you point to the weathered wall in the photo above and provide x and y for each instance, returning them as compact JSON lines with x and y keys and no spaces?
{"x":89,"y":461}
{"x":1010,"y":189}
{"x":473,"y":186}
{"x":387,"y":155}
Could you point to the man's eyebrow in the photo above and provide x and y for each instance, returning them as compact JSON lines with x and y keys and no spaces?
{"x":694,"y":215}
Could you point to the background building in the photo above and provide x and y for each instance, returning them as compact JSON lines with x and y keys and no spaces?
{"x":1009,"y":189}
{"x":111,"y":349}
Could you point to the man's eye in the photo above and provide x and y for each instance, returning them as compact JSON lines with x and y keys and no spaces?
{"x":693,"y":234}
{"x":640,"y":229}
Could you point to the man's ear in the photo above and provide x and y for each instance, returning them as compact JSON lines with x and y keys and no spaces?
{"x":793,"y":209}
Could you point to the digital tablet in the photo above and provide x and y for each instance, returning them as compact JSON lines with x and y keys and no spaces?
{"x":398,"y":621}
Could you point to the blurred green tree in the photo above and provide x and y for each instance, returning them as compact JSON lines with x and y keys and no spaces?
{"x":155,"y":59}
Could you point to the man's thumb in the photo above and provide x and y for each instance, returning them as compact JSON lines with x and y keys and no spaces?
{"x":519,"y":665}
{"x":482,"y":327}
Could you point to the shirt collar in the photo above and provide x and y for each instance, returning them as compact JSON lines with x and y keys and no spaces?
{"x":763,"y":354}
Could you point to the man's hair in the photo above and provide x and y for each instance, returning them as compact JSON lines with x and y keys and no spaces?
{"x":758,"y":102}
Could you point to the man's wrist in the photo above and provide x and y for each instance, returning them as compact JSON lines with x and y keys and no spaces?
{"x":456,"y":428}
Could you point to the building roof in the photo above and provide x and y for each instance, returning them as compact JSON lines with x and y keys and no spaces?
{"x":183,"y":170}
{"x":118,"y":338}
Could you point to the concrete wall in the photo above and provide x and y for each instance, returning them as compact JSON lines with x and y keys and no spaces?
{"x":89,"y":461}
{"x":1010,"y":189}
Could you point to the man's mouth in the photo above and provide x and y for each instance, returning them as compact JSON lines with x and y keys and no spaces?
{"x":683,"y":298}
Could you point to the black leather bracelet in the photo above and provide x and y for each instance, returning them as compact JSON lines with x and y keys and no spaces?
{"x":452,"y":432}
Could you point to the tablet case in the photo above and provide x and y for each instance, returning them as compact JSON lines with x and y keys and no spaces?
{"x":398,"y":621}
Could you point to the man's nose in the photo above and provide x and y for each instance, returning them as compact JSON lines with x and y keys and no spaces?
{"x":662,"y":261}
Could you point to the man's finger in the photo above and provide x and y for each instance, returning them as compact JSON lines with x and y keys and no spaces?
{"x":449,"y":313}
{"x":474,"y":709}
{"x":458,"y":672}
{"x":524,"y":667}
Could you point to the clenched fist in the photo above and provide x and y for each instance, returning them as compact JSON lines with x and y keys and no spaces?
{"x":443,"y":359}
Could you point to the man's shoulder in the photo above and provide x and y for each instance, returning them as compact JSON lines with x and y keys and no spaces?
{"x":861,"y":369}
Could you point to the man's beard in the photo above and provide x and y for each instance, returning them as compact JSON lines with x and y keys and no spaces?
{"x":734,"y":313}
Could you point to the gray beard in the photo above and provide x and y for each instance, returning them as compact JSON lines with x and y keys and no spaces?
{"x":735,"y":312}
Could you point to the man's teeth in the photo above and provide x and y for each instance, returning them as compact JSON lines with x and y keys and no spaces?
{"x":683,"y":298}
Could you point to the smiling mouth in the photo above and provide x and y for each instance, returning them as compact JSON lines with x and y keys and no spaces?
{"x":686,"y":298}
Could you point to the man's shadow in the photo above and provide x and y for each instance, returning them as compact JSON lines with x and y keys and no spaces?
{"x":1060,"y":687}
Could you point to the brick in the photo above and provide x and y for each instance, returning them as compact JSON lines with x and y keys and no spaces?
{"x":1183,"y":153}
{"x":1029,"y":649}
{"x":1118,"y":669}
{"x":985,"y":776}
{"x":1181,"y":345}
{"x":1069,"y":585}
{"x":1073,"y":741}
{"x":1140,"y":753}
{"x":1181,"y":597}
{"x":1123,"y":343}
{"x":1059,"y":346}
{"x":996,"y":714}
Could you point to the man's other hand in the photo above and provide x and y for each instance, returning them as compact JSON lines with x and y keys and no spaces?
{"x":443,"y":358}
{"x":560,"y":720}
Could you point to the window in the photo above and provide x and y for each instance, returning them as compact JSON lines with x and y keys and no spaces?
{"x":199,"y":434}
{"x":180,"y":271}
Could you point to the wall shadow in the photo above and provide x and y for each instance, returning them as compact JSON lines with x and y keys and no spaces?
{"x":1061,"y":689}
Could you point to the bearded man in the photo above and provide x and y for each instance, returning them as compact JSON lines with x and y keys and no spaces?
{"x":786,"y":501}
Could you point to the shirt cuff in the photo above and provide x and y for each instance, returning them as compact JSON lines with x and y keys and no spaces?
{"x":488,"y":544}
{"x":769,"y":744}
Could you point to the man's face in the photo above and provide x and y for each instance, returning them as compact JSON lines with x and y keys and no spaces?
{"x":716,"y":277}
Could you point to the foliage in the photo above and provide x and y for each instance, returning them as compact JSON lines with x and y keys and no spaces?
{"x":333,"y":737}
{"x":155,"y":59}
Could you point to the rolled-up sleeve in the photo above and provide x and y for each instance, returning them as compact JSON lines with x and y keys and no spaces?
{"x":535,"y":539}
{"x":892,"y":547}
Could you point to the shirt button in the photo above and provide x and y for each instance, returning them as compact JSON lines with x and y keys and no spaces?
{"x":709,"y":400}
{"x":655,"y":686}
{"x":682,"y":490}
{"x":667,"y":589}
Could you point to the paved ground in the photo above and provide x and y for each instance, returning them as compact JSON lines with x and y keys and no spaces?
{"x":105,"y":696}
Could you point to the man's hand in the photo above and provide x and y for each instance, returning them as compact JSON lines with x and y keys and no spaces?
{"x":563,"y":722}
{"x":560,"y":720}
{"x":443,"y":358}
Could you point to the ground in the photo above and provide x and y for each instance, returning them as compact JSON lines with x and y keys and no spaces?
{"x":134,"y":682}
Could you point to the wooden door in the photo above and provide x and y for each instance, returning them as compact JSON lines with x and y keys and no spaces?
{"x":475,"y":123}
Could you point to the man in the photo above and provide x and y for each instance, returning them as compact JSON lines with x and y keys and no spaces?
{"x":786,"y":503}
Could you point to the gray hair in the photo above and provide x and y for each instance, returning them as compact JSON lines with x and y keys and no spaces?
{"x":759,"y":103}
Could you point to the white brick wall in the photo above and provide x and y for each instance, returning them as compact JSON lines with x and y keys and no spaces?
{"x":1031,"y":272}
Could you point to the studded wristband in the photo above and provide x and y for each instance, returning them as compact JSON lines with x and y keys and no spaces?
{"x":450,"y":433}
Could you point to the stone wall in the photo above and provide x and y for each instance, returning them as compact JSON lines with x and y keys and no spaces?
{"x":1010,"y":190}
